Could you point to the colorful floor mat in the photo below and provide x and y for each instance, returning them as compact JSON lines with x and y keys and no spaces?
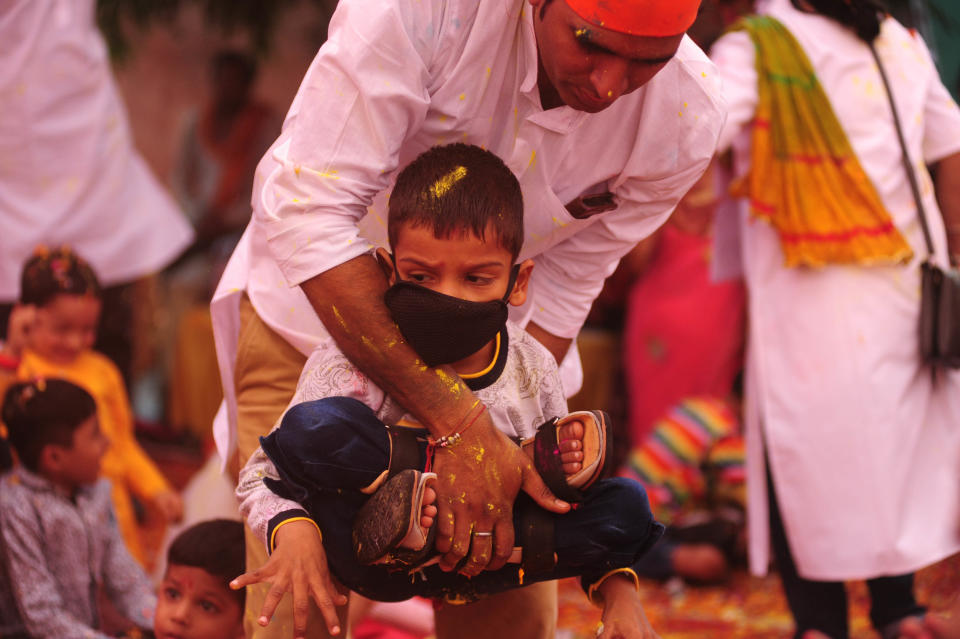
{"x":746,"y":607}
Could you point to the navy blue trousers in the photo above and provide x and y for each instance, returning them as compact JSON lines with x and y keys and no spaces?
{"x":326,"y":450}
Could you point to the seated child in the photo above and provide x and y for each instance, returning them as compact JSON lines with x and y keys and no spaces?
{"x":64,"y":293}
{"x":58,"y":534}
{"x":456,"y":227}
{"x":194,"y":599}
{"x":692,"y":467}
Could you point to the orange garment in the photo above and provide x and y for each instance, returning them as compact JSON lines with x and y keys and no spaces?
{"x":804,"y":177}
{"x":125,"y":463}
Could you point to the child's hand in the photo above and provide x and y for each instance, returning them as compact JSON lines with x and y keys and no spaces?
{"x":21,"y":321}
{"x":623,"y":616}
{"x":298,"y":565}
{"x":170,"y":506}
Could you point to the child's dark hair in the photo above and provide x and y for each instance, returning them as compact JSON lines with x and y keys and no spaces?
{"x":44,"y":412}
{"x":456,"y":189}
{"x":58,"y":271}
{"x":216,"y":547}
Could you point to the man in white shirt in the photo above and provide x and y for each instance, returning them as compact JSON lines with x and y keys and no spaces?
{"x":606,"y":113}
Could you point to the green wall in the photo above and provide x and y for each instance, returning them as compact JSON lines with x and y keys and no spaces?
{"x":944,"y":17}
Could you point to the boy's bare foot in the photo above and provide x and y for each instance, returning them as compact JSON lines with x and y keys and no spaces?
{"x":429,"y":511}
{"x":570,"y":436}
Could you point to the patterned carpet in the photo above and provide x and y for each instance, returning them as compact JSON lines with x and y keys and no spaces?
{"x":747,"y":607}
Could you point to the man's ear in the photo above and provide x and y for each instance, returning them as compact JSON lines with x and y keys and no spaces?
{"x":535,"y":3}
{"x":519,"y":294}
{"x":385,"y":260}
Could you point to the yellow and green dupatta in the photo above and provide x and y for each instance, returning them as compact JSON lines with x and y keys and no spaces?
{"x":804,"y":177}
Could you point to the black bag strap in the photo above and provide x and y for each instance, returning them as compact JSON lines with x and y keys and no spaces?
{"x":911,"y":174}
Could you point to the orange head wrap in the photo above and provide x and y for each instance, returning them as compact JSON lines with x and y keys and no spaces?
{"x":639,"y":17}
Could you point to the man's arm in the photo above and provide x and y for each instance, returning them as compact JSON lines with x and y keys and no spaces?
{"x":478,"y":477}
{"x":948,"y":197}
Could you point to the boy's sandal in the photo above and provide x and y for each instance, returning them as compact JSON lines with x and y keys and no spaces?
{"x":387,"y":528}
{"x":597,"y":449}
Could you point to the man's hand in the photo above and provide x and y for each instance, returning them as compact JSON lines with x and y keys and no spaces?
{"x":478,"y":479}
{"x":298,"y":565}
{"x":623,"y":616}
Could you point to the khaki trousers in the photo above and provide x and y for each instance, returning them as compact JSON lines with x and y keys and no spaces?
{"x":266,"y":377}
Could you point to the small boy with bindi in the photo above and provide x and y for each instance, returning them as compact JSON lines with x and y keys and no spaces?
{"x":194,"y":600}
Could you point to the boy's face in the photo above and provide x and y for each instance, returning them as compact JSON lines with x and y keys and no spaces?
{"x":462,"y":266}
{"x":193,"y":604}
{"x":65,"y":327}
{"x":78,"y":465}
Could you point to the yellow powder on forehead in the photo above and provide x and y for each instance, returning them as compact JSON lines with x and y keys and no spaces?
{"x":444,"y":184}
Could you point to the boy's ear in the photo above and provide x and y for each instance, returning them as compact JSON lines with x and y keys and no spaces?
{"x":50,"y":459}
{"x":385,"y":260}
{"x":519,"y":294}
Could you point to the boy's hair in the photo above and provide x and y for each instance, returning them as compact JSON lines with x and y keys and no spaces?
{"x":42,"y":413}
{"x":456,"y":189}
{"x":52,"y":272}
{"x":216,"y":547}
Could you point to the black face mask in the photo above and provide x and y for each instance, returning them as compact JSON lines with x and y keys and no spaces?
{"x":444,"y":329}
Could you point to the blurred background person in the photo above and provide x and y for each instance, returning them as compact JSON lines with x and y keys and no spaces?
{"x":220,"y":144}
{"x":853,"y":445}
{"x":69,"y":173}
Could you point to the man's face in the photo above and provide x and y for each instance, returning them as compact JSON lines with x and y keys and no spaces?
{"x":589,"y":67}
{"x":193,"y":604}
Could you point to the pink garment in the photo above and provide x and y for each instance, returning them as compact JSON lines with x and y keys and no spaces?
{"x":683,"y":334}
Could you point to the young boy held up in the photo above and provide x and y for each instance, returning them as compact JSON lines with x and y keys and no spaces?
{"x":61,"y":549}
{"x":347,"y":459}
{"x":194,"y":599}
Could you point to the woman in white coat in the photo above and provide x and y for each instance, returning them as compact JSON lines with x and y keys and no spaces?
{"x":853,"y":446}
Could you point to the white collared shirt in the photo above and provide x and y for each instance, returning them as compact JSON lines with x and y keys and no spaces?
{"x":68,"y":169}
{"x":399,"y":76}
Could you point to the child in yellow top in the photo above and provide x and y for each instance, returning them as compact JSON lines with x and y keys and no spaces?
{"x":65,"y":295}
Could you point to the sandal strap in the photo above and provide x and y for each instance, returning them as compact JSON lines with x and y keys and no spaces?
{"x":404,"y":449}
{"x":535,"y":533}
